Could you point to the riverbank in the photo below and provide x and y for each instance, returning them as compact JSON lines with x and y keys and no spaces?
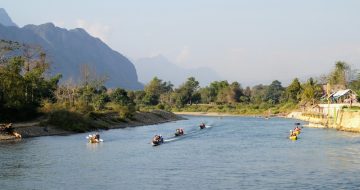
{"x":214,"y":114}
{"x":219,"y":114}
{"x":342,"y":120}
{"x":36,"y":128}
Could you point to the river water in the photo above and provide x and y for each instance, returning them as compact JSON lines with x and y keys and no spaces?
{"x":232,"y":153}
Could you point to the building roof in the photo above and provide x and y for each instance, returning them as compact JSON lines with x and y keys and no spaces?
{"x":341,"y":93}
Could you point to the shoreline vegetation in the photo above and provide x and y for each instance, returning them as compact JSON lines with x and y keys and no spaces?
{"x":37,"y":128}
{"x":29,"y":93}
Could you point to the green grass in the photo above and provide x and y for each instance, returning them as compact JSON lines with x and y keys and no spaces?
{"x":241,"y":109}
{"x":73,"y":121}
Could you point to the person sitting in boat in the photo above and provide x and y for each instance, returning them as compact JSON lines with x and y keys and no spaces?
{"x":297,"y":128}
{"x":97,"y":136}
{"x":202,"y":125}
{"x":179,"y":132}
{"x":157,"y":139}
{"x":92,"y":139}
{"x":292,"y":133}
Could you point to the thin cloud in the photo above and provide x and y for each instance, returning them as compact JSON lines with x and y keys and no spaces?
{"x":183,"y":55}
{"x":95,"y":29}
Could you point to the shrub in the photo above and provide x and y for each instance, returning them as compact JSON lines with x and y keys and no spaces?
{"x":71,"y":121}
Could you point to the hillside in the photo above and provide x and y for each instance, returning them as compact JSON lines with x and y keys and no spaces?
{"x":67,"y":50}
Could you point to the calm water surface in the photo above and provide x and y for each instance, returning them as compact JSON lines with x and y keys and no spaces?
{"x":234,"y":153}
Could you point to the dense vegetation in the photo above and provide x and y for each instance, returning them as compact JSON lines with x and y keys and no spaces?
{"x":222,"y":96}
{"x":27,"y":91}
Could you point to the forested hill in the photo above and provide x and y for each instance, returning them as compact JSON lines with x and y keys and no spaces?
{"x":67,"y":50}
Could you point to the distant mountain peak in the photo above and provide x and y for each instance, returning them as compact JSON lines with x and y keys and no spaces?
{"x":5,"y":19}
{"x":68,"y":50}
{"x":168,"y":71}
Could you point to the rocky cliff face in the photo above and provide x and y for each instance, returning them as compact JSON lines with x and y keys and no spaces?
{"x":67,"y":50}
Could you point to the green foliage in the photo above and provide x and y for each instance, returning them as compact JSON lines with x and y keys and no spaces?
{"x":187,"y":92}
{"x":124,"y":112}
{"x":137,"y":97}
{"x":24,"y":88}
{"x":120,"y":96}
{"x":100,"y":101}
{"x":274,"y":92}
{"x":293,"y":91}
{"x":23,"y":84}
{"x":340,"y":73}
{"x":154,"y":89}
{"x":72,"y":121}
{"x":355,"y":85}
{"x":312,"y":92}
{"x":258,"y":94}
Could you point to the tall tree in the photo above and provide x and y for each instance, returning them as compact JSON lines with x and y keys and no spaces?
{"x":120,"y":96}
{"x":154,"y":89}
{"x":340,"y":74}
{"x":312,"y":92}
{"x":274,"y":92}
{"x":187,"y":92}
{"x":293,"y":91}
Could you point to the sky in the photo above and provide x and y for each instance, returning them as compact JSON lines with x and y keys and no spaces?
{"x":249,"y":41}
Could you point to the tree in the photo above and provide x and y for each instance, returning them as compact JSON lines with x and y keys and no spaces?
{"x":215,"y":88}
{"x":312,"y":91}
{"x":355,"y":85}
{"x":121,"y":97}
{"x":340,"y":74}
{"x":205,"y":95}
{"x":91,"y":85}
{"x":247,"y":95}
{"x":293,"y":91}
{"x":258,"y":93}
{"x":137,"y":96}
{"x":23,"y":87}
{"x":154,"y":89}
{"x":274,"y":92}
{"x":230,"y":93}
{"x":185,"y":93}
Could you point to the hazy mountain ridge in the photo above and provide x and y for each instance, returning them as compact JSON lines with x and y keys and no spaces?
{"x":67,"y":50}
{"x":161,"y":67}
{"x":5,"y":19}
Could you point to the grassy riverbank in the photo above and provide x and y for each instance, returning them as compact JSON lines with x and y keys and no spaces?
{"x":237,"y":109}
{"x":65,"y":122}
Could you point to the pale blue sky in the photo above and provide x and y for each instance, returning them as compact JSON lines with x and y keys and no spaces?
{"x":253,"y":41}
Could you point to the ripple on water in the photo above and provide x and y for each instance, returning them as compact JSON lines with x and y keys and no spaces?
{"x":235,"y":153}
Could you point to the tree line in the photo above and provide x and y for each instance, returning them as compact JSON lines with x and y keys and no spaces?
{"x":27,"y":88}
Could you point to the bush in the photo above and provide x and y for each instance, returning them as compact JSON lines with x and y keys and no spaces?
{"x":161,"y":106}
{"x":71,"y":121}
{"x":125,"y":112}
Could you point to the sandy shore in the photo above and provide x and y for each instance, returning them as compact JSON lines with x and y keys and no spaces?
{"x":33,"y":128}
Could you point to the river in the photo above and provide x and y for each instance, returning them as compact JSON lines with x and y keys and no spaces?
{"x":232,"y":153}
